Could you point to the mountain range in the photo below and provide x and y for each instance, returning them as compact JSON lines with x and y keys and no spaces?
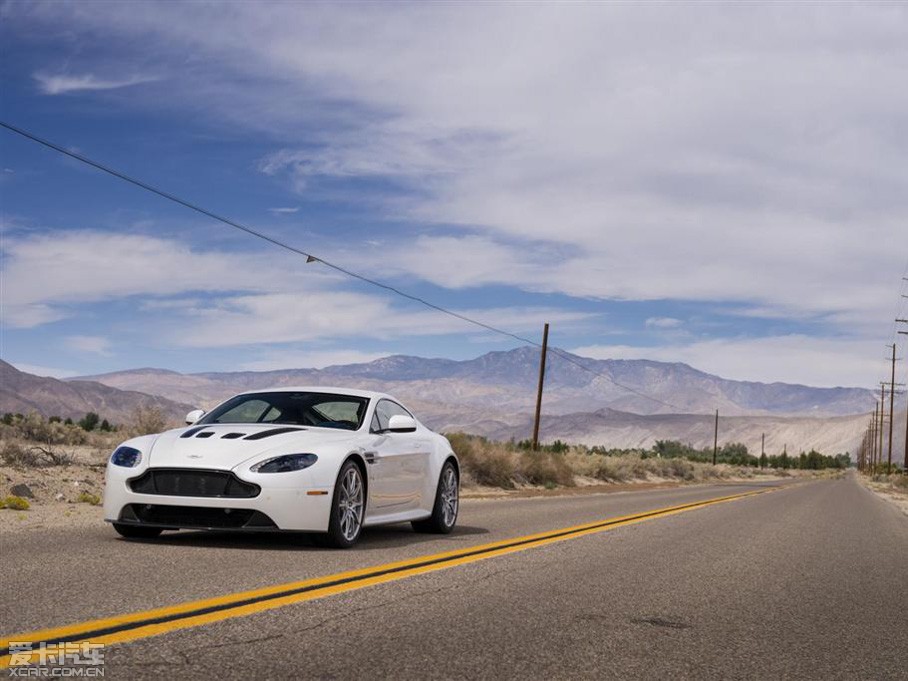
{"x":585,"y":400}
{"x":505,"y":382}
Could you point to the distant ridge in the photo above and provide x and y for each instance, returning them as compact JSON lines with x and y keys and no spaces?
{"x":504,"y":381}
{"x":23,"y":392}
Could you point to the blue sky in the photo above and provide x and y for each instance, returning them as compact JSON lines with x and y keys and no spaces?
{"x":721,"y":185}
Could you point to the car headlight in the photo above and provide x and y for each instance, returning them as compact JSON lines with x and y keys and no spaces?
{"x":128,"y":457}
{"x":285,"y":463}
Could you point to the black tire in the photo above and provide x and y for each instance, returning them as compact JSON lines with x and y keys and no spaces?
{"x":136,"y":531}
{"x":341,"y":534}
{"x":446,"y":508}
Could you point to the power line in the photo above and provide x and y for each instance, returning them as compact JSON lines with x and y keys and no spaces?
{"x":313,"y":258}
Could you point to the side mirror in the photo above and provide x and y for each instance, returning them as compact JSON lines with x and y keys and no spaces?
{"x":399,"y":423}
{"x":194,"y":416}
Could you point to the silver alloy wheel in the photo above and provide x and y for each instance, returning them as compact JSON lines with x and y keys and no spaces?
{"x":350,"y":504}
{"x":449,"y":497}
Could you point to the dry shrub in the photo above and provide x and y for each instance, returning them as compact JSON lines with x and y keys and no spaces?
{"x":676,"y":468}
{"x":147,"y":420}
{"x":20,"y":455}
{"x":483,"y":462}
{"x":35,"y":428}
{"x":621,"y":468}
{"x":546,"y":468}
{"x":17,"y":455}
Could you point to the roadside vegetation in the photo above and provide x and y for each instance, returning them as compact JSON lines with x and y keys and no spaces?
{"x":57,"y":459}
{"x":62,"y":459}
{"x":893,"y":487}
{"x":32,"y":440}
{"x":509,"y":465}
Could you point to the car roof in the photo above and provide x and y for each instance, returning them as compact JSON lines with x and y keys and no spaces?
{"x":330,"y":390}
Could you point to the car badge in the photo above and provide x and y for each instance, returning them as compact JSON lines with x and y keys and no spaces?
{"x":195,"y":456}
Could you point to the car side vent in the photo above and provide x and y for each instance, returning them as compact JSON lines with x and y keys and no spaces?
{"x":268,"y":433}
{"x":232,"y":436}
{"x":207,"y":433}
{"x":192,"y":431}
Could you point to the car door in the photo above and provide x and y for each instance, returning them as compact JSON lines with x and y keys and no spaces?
{"x":401,"y":461}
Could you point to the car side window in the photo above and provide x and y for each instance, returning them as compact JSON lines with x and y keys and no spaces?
{"x":384,"y":410}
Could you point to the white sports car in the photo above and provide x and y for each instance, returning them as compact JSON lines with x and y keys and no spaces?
{"x":325,"y":460}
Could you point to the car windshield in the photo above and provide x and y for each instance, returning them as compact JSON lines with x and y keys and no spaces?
{"x":320,"y":410}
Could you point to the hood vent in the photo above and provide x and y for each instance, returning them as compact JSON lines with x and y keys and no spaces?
{"x":192,"y":431}
{"x":268,"y":433}
{"x":232,"y":436}
{"x":207,"y":433}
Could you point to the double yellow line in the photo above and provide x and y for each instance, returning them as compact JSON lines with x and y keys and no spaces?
{"x":138,"y":625}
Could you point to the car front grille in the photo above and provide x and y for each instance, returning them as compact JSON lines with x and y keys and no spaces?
{"x":181,"y":482}
{"x":196,"y":517}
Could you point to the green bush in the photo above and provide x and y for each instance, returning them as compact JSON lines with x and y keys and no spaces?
{"x":89,"y":498}
{"x":90,"y":421}
{"x":15,"y":503}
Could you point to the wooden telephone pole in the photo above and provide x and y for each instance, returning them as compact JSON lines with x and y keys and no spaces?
{"x":716,"y":439}
{"x":905,"y":458}
{"x":545,"y":347}
{"x":873,"y":431}
{"x":891,"y":411}
{"x":892,"y":386}
{"x":879,"y":451}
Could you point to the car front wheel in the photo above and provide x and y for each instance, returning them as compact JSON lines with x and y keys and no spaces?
{"x":347,"y":509}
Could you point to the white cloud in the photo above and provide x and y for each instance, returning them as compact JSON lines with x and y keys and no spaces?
{"x":663,"y":322}
{"x":60,"y":84}
{"x":284,"y":211}
{"x":47,"y":275}
{"x":98,"y":345}
{"x":250,"y":298}
{"x":748,"y":153}
{"x":302,"y":316}
{"x":791,"y":359}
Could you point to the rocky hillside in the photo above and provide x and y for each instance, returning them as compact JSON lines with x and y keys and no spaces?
{"x":22,"y":392}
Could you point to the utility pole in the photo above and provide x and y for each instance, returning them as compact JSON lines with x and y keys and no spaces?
{"x":716,"y":439}
{"x":870,"y":438}
{"x":762,"y":448}
{"x":874,"y":427}
{"x":905,"y":459}
{"x":879,"y":457}
{"x":545,"y":347}
{"x":891,"y":411}
{"x":864,"y":442}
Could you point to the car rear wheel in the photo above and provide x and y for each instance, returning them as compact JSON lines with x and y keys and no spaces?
{"x":447,"y":503}
{"x":136,"y":532}
{"x":347,"y":509}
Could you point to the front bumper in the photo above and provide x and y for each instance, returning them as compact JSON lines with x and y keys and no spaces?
{"x":282,"y":504}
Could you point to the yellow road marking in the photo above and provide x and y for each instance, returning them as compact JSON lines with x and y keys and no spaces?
{"x":137,"y":625}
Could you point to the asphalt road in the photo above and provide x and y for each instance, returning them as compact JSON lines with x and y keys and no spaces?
{"x":809,"y":581}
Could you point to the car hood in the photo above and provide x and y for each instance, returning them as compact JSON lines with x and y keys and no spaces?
{"x":229,"y":445}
